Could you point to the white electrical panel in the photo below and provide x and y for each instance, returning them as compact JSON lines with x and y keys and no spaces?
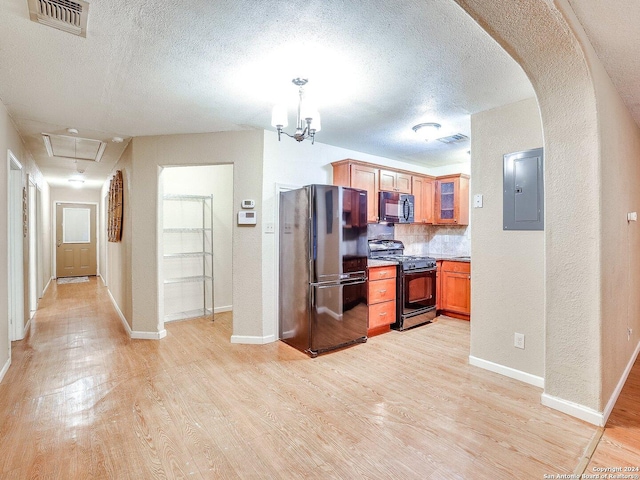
{"x":248,"y":203}
{"x":247,"y":218}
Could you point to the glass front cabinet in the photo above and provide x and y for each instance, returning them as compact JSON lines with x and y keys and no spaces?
{"x":452,"y":200}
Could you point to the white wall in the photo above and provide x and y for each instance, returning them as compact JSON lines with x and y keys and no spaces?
{"x":118,"y":254}
{"x":10,"y":140}
{"x":507,"y":274}
{"x":150,"y":154}
{"x":207,"y":180}
{"x":620,"y":240}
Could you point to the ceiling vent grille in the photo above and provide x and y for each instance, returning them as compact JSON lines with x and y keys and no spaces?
{"x":457,"y":138}
{"x":67,"y":15}
{"x":73,"y":147}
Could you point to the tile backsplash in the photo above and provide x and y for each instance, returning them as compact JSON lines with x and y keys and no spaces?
{"x":434,"y":239}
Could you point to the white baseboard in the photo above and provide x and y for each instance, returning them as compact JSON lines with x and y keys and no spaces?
{"x":133,"y":333}
{"x":574,"y":409}
{"x":226,"y":308}
{"x":253,"y":339}
{"x":119,"y":312}
{"x":46,"y":286}
{"x":507,"y":371}
{"x":588,"y":414}
{"x":5,"y":368}
{"x":616,"y":393}
{"x":26,"y":328}
{"x":149,"y":335}
{"x":102,"y":278}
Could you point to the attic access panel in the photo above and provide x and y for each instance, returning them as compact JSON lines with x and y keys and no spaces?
{"x":523,"y":187}
{"x":73,"y":147}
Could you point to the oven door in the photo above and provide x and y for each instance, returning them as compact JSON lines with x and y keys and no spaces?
{"x":419,"y":290}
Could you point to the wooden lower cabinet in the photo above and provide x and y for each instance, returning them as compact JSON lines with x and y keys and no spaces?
{"x":381,"y":298}
{"x":454,"y":285}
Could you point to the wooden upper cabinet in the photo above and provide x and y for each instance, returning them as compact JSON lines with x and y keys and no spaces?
{"x":422,"y":190}
{"x":348,"y":173}
{"x":438,"y":200}
{"x":452,"y":200}
{"x":392,"y":181}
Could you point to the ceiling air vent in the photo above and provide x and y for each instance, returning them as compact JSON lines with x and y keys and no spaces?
{"x":73,"y":147}
{"x":67,"y":15}
{"x":457,"y":138}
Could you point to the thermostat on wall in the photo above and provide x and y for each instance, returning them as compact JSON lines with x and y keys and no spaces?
{"x":248,"y":203}
{"x":247,"y":218}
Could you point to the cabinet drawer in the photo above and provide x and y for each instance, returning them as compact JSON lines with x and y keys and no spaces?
{"x":462,"y":267}
{"x":382,"y":290}
{"x":381,"y":273}
{"x":382,"y":314}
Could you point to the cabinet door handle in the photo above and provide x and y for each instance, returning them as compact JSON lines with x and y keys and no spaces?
{"x":383,"y":291}
{"x":383,"y":314}
{"x":469,"y":277}
{"x":382,"y":273}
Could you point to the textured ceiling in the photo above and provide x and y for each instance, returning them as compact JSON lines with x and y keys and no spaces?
{"x":614,"y":31}
{"x":375,"y":69}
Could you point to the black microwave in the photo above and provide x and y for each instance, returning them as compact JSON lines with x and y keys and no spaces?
{"x":396,"y":207}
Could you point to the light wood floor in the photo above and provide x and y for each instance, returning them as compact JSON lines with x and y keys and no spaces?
{"x":81,"y":400}
{"x":620,"y":442}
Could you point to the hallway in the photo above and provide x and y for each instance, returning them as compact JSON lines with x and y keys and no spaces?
{"x":81,"y":400}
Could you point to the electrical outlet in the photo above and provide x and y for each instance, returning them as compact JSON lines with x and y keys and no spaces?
{"x":269,"y":228}
{"x":518,"y":340}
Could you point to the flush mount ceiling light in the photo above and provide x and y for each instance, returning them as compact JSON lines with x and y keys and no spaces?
{"x":427,"y":130}
{"x":76,"y":182}
{"x":307,"y":121}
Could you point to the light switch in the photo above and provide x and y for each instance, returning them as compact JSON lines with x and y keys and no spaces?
{"x":477,"y":201}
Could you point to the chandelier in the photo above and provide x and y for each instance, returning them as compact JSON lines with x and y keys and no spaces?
{"x":308,"y":119}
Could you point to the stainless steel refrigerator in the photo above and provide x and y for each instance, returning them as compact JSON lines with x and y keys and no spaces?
{"x":323,"y":259}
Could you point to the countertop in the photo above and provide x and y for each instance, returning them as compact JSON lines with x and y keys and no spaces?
{"x":371,"y":263}
{"x":452,"y":258}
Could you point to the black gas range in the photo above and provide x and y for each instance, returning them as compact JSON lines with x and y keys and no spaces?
{"x":415,"y":284}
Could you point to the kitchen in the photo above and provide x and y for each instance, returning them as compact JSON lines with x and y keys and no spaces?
{"x":401,"y":291}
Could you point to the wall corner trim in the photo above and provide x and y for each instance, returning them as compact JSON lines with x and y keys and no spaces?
{"x":132,"y":333}
{"x":507,"y":371}
{"x":623,"y":379}
{"x":253,"y":339}
{"x":5,"y":368}
{"x":574,"y":409}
